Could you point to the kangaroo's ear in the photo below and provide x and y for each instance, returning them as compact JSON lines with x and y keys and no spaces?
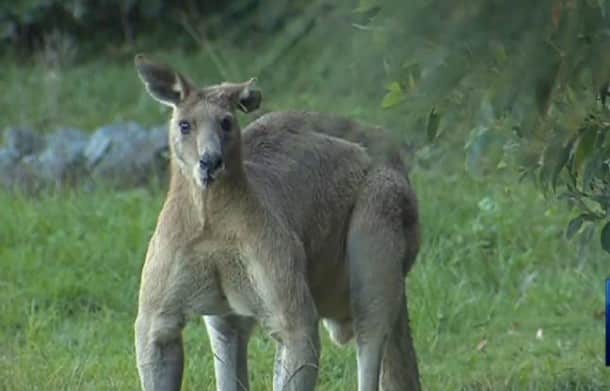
{"x":244,"y":96}
{"x":162,"y":83}
{"x":249,"y":97}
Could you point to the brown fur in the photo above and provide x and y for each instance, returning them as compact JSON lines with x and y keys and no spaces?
{"x":299,"y":226}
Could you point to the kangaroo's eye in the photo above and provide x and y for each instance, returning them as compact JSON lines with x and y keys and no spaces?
{"x":226,"y":123}
{"x":185,"y":127}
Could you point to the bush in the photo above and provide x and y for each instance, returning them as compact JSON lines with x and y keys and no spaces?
{"x":25,"y":25}
{"x":529,"y":79}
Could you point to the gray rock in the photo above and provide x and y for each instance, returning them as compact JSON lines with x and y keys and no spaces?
{"x":23,"y":141}
{"x":9,"y":158}
{"x":126,"y":154}
{"x":159,"y":140}
{"x":158,"y":145}
{"x":63,"y":160}
{"x":16,"y":173}
{"x":121,"y":154}
{"x":60,"y":163}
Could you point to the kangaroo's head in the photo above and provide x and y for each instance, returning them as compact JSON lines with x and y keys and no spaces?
{"x":204,"y":135}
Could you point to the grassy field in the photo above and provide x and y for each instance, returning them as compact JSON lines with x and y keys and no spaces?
{"x":498,"y":299}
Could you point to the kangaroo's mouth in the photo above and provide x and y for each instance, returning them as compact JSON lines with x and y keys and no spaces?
{"x":205,"y":177}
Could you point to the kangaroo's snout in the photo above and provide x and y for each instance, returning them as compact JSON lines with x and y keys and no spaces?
{"x":209,"y":165}
{"x":210,"y":161}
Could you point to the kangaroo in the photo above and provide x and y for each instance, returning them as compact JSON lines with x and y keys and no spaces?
{"x":276,"y":225}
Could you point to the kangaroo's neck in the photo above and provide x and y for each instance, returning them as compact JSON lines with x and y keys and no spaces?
{"x":228,"y":205}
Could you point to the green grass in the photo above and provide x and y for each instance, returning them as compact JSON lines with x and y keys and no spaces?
{"x":494,"y":265}
{"x":103,"y":90}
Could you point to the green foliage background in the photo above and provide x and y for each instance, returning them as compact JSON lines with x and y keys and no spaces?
{"x":520,"y":84}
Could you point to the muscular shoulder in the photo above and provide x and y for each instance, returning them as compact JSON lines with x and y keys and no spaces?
{"x":299,"y":137}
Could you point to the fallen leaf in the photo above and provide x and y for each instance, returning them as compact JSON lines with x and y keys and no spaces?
{"x":481,"y":345}
{"x":599,"y":315}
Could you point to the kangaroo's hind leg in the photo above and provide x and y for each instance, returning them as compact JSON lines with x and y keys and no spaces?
{"x":399,"y":369}
{"x":382,"y":241}
{"x":229,"y":337}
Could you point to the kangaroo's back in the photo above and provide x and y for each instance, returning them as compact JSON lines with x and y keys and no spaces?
{"x":301,"y":173}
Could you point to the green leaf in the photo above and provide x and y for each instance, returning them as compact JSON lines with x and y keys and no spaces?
{"x":584,"y":148}
{"x":365,"y":6}
{"x":434,"y":120}
{"x":605,"y":237}
{"x":548,"y":163}
{"x":562,"y":160}
{"x":574,"y":226}
{"x":592,"y":170}
{"x":394,"y":96}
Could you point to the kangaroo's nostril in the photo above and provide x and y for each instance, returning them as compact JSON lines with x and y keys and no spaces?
{"x":210,"y":162}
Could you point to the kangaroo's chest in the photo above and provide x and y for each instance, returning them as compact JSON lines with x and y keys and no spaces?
{"x":214,"y":281}
{"x":237,"y":286}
